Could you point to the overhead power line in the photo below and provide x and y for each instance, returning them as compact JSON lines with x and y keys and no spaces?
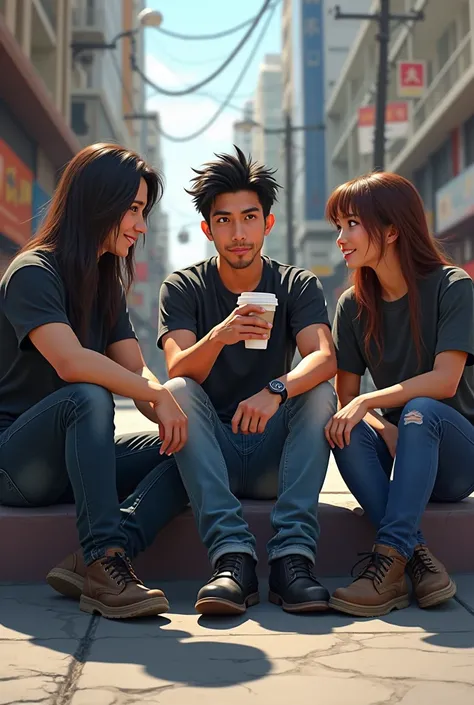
{"x":203,"y":37}
{"x":191,"y":89}
{"x":233,"y":90}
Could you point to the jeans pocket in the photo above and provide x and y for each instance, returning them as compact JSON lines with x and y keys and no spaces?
{"x":10,"y":495}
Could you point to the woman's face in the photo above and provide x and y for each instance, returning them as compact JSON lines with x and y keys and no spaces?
{"x":354,"y":243}
{"x":132,"y":226}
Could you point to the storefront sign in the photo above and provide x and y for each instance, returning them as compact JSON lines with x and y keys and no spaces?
{"x":396,"y":125}
{"x":16,"y":184}
{"x":411,"y":79}
{"x":455,"y":201}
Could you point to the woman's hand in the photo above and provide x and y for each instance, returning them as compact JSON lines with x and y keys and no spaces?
{"x":338,"y":429}
{"x":172,"y":422}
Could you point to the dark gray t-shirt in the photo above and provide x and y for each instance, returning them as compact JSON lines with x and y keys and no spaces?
{"x":447,"y":323}
{"x":32,"y":293}
{"x":195,"y":299}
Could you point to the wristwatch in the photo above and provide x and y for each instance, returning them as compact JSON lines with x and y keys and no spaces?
{"x":276,"y":386}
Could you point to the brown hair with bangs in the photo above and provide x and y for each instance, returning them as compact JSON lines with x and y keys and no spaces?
{"x":383,"y":200}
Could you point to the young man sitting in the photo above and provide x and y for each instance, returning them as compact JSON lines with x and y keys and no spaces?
{"x":255,"y":426}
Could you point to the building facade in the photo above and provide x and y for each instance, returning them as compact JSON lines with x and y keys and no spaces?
{"x":437,"y":150}
{"x":35,"y":139}
{"x":314,"y":47}
{"x":267,"y":147}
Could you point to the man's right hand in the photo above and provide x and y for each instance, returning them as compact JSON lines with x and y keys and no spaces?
{"x":242,"y":324}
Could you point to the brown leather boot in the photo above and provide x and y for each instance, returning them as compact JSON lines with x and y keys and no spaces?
{"x":112,"y":589}
{"x":380,"y":587}
{"x":68,"y":576}
{"x":431,"y":582}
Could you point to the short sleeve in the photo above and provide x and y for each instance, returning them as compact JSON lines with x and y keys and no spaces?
{"x":123,"y":329}
{"x":177,"y":310}
{"x":456,"y":318}
{"x":307,"y":303}
{"x":32,"y":296}
{"x":348,"y":352}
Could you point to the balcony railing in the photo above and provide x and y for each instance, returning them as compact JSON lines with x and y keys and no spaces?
{"x":443,"y":82}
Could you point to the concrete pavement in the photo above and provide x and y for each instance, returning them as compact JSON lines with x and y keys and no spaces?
{"x":52,"y":653}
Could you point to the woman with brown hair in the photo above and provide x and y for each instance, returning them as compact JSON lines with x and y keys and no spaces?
{"x":409,"y":320}
{"x":67,"y":346}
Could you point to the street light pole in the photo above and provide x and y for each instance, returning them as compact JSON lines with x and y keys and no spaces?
{"x":383,"y":18}
{"x":382,"y":79}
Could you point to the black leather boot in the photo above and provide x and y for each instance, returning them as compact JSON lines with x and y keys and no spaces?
{"x":293,"y":585}
{"x":232,"y":588}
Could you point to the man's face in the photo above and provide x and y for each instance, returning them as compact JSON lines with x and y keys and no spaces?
{"x":237,"y":227}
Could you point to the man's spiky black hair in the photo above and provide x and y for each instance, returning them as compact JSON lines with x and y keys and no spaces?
{"x":229,"y":174}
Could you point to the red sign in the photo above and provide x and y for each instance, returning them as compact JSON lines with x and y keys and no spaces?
{"x":396,"y":124}
{"x":411,"y":78}
{"x":394,"y":112}
{"x":16,"y":184}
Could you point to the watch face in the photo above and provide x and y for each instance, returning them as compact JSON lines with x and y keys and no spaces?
{"x":277,"y":386}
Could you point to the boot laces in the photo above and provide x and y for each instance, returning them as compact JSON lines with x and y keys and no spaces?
{"x":422,"y":563}
{"x":376,"y":568}
{"x":300,"y":567}
{"x":229,"y":562}
{"x":120,"y":569}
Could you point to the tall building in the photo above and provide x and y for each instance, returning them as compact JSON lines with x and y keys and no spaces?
{"x":104,"y":88}
{"x":35,"y":139}
{"x":436,"y":149}
{"x":242,"y":134}
{"x":314,"y":48}
{"x":267,"y":148}
{"x":108,"y":104}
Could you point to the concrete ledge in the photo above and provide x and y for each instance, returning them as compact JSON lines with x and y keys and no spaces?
{"x":34,"y":540}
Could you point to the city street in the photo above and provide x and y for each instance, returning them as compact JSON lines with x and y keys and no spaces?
{"x":52,"y":653}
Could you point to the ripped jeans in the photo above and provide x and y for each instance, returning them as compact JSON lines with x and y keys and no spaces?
{"x":434,"y":462}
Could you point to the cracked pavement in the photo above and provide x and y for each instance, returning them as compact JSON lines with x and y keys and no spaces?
{"x":52,"y":653}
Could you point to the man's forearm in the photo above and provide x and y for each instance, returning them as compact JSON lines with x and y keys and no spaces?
{"x":313,"y":369}
{"x":197,"y":361}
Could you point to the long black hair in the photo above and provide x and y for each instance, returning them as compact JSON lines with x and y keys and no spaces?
{"x":229,"y":174}
{"x":95,"y":191}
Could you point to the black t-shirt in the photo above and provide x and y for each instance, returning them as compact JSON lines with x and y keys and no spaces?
{"x":32,"y":293}
{"x":195,"y":299}
{"x":447,"y":323}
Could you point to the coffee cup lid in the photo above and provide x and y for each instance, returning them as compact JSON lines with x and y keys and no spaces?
{"x":257,"y":298}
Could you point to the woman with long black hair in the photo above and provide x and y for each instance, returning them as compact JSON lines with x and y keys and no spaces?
{"x":409,"y":320}
{"x":67,"y":346}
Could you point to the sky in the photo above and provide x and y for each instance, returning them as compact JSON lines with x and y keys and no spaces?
{"x":175,"y":64}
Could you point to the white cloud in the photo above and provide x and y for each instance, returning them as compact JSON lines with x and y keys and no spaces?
{"x":161,"y":74}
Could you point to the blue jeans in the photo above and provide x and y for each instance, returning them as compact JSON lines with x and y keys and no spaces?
{"x":288,"y":461}
{"x":434,"y":461}
{"x":63,"y":450}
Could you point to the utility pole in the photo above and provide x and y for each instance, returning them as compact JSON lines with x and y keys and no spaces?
{"x":383,"y":18}
{"x":290,"y":236}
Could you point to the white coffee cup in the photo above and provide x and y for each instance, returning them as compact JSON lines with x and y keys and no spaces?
{"x":269,"y":302}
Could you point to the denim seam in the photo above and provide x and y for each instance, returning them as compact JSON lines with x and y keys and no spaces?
{"x":11,"y":435}
{"x":9,"y":479}
{"x":134,"y":452}
{"x":142,"y":496}
{"x":90,"y":534}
